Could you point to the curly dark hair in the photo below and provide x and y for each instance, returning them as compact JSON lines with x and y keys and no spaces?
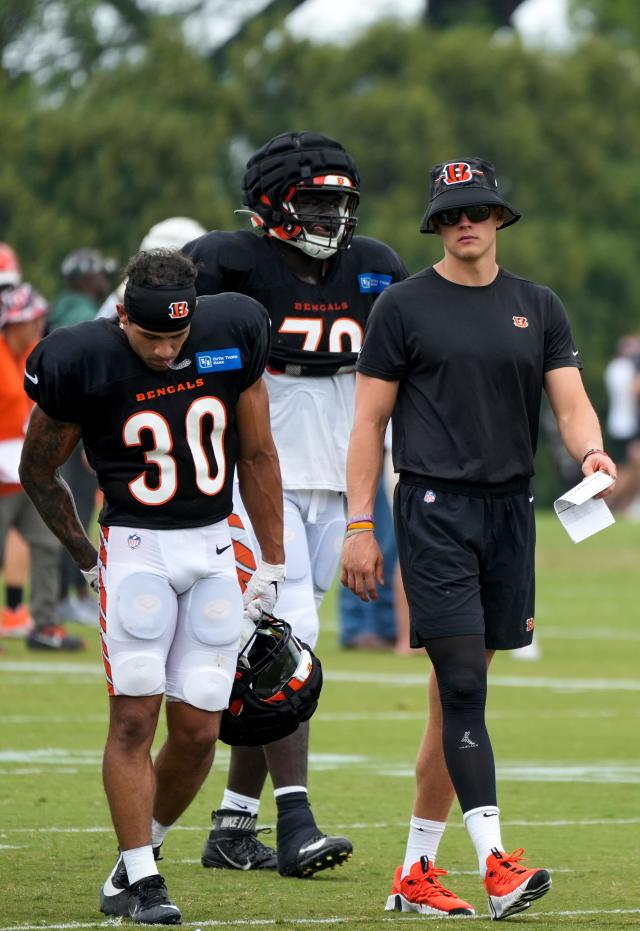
{"x":159,"y":267}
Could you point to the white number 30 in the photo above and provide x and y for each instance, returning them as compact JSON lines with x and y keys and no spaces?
{"x":161,"y":456}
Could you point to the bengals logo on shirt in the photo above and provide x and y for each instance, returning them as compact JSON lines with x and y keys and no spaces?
{"x":520,"y":322}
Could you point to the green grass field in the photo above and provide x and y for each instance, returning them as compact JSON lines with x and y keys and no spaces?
{"x":565,"y":732}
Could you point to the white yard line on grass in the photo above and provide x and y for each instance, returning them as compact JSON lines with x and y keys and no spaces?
{"x":351,"y":826}
{"x":353,"y":677}
{"x":311,"y":922}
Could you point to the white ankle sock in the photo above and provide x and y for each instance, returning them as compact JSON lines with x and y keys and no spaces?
{"x":234,"y":801}
{"x":423,"y":840}
{"x":483,"y":825}
{"x":158,"y":832}
{"x":139,"y":863}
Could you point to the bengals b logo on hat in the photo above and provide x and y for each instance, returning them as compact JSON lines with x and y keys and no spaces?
{"x":457,"y":173}
{"x":178,"y":310}
{"x":463,"y":182}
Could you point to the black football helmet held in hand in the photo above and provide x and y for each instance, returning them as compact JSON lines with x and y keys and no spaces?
{"x":277,"y":686}
{"x":303,"y":188}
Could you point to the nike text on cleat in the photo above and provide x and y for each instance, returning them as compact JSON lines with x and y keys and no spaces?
{"x":511,"y":887}
{"x":320,"y":852}
{"x":149,"y":903}
{"x":233,"y":843}
{"x":421,"y":891}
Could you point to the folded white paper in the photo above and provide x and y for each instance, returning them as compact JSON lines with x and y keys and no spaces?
{"x":581,"y":515}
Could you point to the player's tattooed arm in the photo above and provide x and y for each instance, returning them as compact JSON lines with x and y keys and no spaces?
{"x":47,"y":446}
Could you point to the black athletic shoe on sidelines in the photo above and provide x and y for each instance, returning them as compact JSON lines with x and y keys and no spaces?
{"x":53,"y":637}
{"x":149,"y":903}
{"x":114,"y":894}
{"x":319,"y":852}
{"x":233,"y":843}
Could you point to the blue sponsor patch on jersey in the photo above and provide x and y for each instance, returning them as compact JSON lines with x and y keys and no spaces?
{"x":218,"y":360}
{"x":370,"y":282}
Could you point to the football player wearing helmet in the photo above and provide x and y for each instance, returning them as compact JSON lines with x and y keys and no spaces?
{"x":168,"y":399}
{"x":318,"y":282}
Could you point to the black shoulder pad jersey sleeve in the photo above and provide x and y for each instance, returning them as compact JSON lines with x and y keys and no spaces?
{"x":163,"y":444}
{"x":317,"y":329}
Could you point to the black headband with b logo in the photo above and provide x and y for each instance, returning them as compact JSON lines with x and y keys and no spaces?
{"x":161,"y":309}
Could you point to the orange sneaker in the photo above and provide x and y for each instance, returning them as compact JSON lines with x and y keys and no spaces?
{"x":421,"y":891}
{"x":512,"y":888}
{"x":16,"y":622}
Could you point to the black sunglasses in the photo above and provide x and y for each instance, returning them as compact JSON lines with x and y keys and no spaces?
{"x":474,"y":212}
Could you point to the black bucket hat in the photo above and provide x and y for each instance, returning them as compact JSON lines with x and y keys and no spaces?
{"x":461,"y":183}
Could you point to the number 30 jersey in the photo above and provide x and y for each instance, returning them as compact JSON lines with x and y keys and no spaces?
{"x":164,"y":444}
{"x":317,"y":332}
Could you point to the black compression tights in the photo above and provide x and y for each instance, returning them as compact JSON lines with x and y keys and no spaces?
{"x":460,"y":665}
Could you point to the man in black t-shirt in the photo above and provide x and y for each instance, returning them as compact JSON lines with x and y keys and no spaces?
{"x":458,"y":355}
{"x":167,"y":399}
{"x":318,"y":283}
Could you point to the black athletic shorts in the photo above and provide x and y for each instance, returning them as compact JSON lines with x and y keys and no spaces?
{"x":467,"y":560}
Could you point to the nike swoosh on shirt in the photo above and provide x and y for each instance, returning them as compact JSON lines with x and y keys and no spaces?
{"x":575,"y":353}
{"x":221,"y":549}
{"x":33,"y":378}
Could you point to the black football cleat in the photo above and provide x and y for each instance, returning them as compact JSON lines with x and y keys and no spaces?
{"x":319,"y":852}
{"x":233,"y":844}
{"x":149,"y":903}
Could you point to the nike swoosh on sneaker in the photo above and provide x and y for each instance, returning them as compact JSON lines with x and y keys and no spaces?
{"x":315,"y":845}
{"x":234,"y":863}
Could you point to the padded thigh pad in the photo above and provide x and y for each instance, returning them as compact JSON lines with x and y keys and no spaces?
{"x":146,"y":605}
{"x":215,"y":612}
{"x":325,"y":556}
{"x":295,"y":547}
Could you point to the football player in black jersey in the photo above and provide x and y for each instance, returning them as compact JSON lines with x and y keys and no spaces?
{"x":168,"y":400}
{"x":318,"y":282}
{"x":459,"y":356}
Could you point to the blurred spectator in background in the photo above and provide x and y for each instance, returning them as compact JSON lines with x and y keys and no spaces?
{"x":22,"y":320}
{"x":87,"y":279}
{"x":622,"y":381}
{"x":171,"y":233}
{"x":15,"y":559}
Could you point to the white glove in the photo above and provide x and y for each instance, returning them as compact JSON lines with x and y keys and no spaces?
{"x":91,"y":578}
{"x":262,"y":592}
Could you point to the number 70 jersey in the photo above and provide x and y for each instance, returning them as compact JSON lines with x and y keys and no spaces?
{"x":164,"y":444}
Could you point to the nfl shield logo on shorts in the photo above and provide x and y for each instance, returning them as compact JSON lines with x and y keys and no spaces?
{"x":429,"y":496}
{"x":134,"y":541}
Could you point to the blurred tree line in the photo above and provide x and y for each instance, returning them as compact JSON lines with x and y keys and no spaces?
{"x":119,"y":125}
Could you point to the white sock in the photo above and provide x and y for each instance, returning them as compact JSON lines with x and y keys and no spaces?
{"x":139,"y":863}
{"x":285,"y":790}
{"x":423,"y":840}
{"x":158,"y":832}
{"x":483,"y":825}
{"x":234,"y":801}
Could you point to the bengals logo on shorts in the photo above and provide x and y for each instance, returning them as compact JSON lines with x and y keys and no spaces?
{"x":530,"y":624}
{"x":520,"y":322}
{"x":178,"y":310}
